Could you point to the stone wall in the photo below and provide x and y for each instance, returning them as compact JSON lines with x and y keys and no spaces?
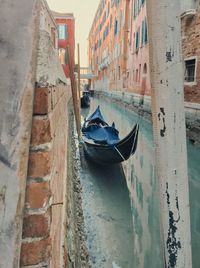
{"x":34,"y":105}
{"x":19,"y":24}
{"x":142,"y":105}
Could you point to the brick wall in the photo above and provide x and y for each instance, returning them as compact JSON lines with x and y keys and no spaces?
{"x":42,"y":238}
{"x":191,"y":48}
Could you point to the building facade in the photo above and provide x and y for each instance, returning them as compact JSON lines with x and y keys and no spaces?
{"x":108,"y":45}
{"x":191,"y":52}
{"x":138,"y":80}
{"x":47,"y":23}
{"x":66,"y":37}
{"x":119,"y":49}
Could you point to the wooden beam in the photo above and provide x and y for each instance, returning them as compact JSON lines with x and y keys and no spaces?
{"x":79,"y":73}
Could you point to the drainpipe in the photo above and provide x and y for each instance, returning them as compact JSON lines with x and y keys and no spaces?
{"x":166,"y":73}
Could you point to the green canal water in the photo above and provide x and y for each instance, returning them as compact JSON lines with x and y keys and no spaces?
{"x":121,"y":202}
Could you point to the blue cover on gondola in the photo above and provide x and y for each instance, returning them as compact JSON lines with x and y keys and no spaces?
{"x":103,"y":135}
{"x":96,"y":117}
{"x":99,"y":131}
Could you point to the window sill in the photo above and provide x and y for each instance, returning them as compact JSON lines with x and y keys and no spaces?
{"x":188,"y":13}
{"x":190,"y":84}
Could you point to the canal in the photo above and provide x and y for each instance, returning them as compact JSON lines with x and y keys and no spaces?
{"x":120,"y":202}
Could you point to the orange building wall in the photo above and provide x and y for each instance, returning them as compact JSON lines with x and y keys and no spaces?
{"x":64,"y":43}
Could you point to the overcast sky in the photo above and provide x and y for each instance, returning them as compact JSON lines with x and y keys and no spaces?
{"x":84,"y":12}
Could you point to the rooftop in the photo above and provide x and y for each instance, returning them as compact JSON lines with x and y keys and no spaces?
{"x":62,"y":15}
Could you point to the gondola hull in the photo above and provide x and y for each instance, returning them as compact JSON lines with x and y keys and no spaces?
{"x":85,"y":101}
{"x":112,"y":154}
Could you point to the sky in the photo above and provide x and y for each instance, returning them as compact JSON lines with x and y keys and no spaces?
{"x":84,"y":12}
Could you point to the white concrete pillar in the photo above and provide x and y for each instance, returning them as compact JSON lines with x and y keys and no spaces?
{"x":187,"y":5}
{"x":166,"y":71}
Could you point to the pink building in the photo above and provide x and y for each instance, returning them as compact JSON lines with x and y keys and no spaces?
{"x":138,"y":80}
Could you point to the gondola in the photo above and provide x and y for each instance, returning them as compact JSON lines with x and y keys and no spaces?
{"x":85,"y":100}
{"x":101,"y":141}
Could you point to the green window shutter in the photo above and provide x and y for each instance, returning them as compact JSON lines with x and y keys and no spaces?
{"x":143,"y":32}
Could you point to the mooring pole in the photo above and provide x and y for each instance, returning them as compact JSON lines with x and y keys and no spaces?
{"x":166,"y":73}
{"x":74,"y":93}
{"x":79,"y":74}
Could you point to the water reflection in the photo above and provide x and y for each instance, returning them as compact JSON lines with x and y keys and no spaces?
{"x":107,"y":214}
{"x":141,"y":180}
{"x":140,"y":176}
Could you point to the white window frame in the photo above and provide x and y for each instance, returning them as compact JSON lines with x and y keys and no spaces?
{"x":195,"y":71}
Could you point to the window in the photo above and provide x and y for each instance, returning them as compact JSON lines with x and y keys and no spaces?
{"x":145,"y":69}
{"x":119,"y":72}
{"x":190,"y":70}
{"x":105,"y":33}
{"x":144,"y":32}
{"x":137,"y":43}
{"x":116,"y":27}
{"x":136,"y":78}
{"x":62,"y":31}
{"x":139,"y":73}
{"x":61,"y":52}
{"x":108,"y":8}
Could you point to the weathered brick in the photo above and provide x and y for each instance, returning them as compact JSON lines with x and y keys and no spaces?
{"x":36,"y":225}
{"x":37,"y":195}
{"x":190,"y":48}
{"x":41,"y":131}
{"x":65,"y":256}
{"x":39,"y":164}
{"x":42,"y":101}
{"x":35,"y":252}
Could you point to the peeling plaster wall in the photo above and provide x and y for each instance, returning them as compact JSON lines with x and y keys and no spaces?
{"x":27,"y":56}
{"x":49,"y":69}
{"x":18,"y":41}
{"x":44,"y":231}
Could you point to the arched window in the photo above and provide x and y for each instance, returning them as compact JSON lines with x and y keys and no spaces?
{"x":145,"y":69}
{"x":136,"y":78}
{"x":139,"y":74}
{"x":62,"y":55}
{"x":110,"y":21}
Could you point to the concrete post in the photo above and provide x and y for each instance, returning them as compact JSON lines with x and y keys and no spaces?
{"x":166,"y":72}
{"x":79,"y":74}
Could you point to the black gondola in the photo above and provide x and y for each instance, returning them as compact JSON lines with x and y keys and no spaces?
{"x":85,"y":100}
{"x":102,"y":143}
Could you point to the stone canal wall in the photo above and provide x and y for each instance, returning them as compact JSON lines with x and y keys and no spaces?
{"x":142,"y":105}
